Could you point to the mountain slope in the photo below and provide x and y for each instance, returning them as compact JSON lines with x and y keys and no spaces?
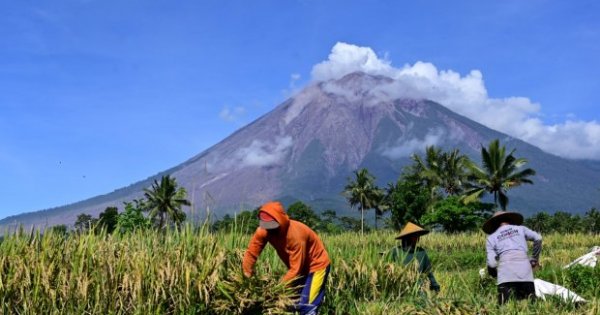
{"x":308,"y":146}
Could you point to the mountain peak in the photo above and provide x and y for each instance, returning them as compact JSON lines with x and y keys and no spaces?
{"x":308,"y":146}
{"x":358,"y":87}
{"x":360,"y":77}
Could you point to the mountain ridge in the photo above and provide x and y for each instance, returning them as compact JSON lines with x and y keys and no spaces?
{"x":306,"y":148}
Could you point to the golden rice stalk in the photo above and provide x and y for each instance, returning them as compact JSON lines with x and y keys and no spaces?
{"x":260,"y":294}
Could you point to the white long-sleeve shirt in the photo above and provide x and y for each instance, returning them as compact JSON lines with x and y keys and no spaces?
{"x":507,"y":250}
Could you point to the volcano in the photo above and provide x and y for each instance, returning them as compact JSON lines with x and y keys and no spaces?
{"x":307,"y":147}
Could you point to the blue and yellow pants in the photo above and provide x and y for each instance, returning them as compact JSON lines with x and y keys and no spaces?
{"x":312,"y":292}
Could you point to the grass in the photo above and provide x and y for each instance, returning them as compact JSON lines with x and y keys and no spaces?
{"x":192,"y":271}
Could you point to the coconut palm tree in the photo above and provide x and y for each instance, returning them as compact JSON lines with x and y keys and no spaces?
{"x":429,"y":170}
{"x":362,"y":192}
{"x":441,"y":171}
{"x":454,"y":172}
{"x":380,"y":203}
{"x":500,"y":172}
{"x":165,"y":201}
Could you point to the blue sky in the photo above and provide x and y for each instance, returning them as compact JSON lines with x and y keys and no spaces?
{"x":95,"y":95}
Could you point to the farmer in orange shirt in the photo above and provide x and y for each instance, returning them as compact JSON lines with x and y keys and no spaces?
{"x":299,"y":248}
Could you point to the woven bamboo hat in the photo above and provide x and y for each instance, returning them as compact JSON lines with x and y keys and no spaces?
{"x":491,"y":225}
{"x":411,"y":229}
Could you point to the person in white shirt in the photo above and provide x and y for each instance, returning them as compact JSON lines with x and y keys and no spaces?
{"x":507,"y":258}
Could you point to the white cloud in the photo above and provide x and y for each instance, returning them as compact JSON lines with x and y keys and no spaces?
{"x":293,"y":87}
{"x":345,"y":58}
{"x":232,"y":114}
{"x":405,"y":148}
{"x":264,"y":153}
{"x":466,"y":95}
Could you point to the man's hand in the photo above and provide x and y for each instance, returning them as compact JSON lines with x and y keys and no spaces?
{"x":534,"y":263}
{"x":492,"y":272}
{"x":247,"y":275}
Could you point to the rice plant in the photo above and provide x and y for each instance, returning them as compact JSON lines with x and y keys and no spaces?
{"x":194,"y":271}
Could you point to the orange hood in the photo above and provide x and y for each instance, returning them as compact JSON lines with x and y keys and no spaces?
{"x":275,"y":209}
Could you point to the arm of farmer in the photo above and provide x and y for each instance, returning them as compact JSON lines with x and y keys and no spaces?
{"x":433,"y":284}
{"x":255,"y":247}
{"x":537,"y":243}
{"x":296,"y":256}
{"x":425,"y":267}
{"x":492,"y":264}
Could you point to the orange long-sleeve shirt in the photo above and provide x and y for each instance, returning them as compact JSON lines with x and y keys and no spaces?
{"x":296,"y":244}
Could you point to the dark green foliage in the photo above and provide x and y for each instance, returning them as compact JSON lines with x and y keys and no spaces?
{"x":108,"y":219}
{"x":224,"y":224}
{"x":165,"y":201}
{"x":60,"y":229}
{"x":454,"y":216}
{"x":441,"y":171}
{"x":540,"y":222}
{"x":352,"y":224}
{"x":133,"y":218}
{"x":245,"y":222}
{"x":330,"y":222}
{"x":564,"y":222}
{"x":85,"y":222}
{"x":591,"y":221}
{"x":299,"y":211}
{"x":499,"y":173}
{"x":380,"y":204}
{"x":408,"y":201}
{"x":425,"y":182}
{"x":561,"y":222}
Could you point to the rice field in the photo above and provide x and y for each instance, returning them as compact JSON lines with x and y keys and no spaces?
{"x":194,"y":271}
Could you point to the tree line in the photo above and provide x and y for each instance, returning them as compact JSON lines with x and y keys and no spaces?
{"x":564,"y":222}
{"x":442,"y":189}
{"x":160,"y":207}
{"x":327,"y":221}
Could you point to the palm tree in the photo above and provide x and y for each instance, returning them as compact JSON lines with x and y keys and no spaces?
{"x":499,"y":174}
{"x":380,"y":203}
{"x":440,"y":172}
{"x":165,"y":201}
{"x":429,"y":170}
{"x":361,"y":191}
{"x":454,"y":172}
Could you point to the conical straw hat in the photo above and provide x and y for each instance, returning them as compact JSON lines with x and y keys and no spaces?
{"x":491,"y":225}
{"x":411,"y":229}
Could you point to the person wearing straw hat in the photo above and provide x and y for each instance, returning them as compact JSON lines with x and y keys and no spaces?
{"x":300,"y":249}
{"x":408,"y":251}
{"x":507,"y":259}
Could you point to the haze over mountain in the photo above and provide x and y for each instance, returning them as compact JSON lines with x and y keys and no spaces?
{"x":307,"y":147}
